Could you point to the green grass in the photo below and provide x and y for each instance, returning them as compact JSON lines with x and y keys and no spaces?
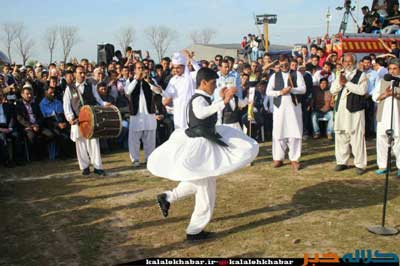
{"x":260,"y":211}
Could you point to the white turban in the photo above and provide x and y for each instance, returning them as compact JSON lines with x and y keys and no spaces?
{"x":178,"y":59}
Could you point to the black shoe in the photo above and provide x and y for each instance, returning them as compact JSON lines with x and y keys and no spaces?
{"x":20,"y":163}
{"x":163,"y":203}
{"x":99,"y":172}
{"x":86,"y":171}
{"x":9,"y":164}
{"x":340,"y":167}
{"x":200,"y":236}
{"x":360,"y":171}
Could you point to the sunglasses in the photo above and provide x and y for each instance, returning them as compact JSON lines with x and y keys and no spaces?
{"x":284,"y":65}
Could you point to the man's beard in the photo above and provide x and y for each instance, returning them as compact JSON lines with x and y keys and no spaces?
{"x":349,"y":69}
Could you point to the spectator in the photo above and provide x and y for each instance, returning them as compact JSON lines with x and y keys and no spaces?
{"x":393,"y":8}
{"x":143,"y":123}
{"x":325,"y":72}
{"x":380,"y":6}
{"x":54,"y":120}
{"x":104,"y":92}
{"x":30,"y":123}
{"x":8,"y":134}
{"x":370,"y":20}
{"x":372,"y":76}
{"x":322,"y":106}
{"x":393,"y":49}
{"x":380,"y":68}
{"x":254,"y":48}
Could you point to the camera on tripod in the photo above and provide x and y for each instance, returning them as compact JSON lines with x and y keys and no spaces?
{"x":347,"y":6}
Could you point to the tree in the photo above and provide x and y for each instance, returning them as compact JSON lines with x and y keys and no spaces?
{"x":68,"y":37}
{"x":203,"y":36}
{"x":160,"y":38}
{"x":23,"y":43}
{"x":125,"y":37}
{"x":51,"y":39}
{"x":9,"y":35}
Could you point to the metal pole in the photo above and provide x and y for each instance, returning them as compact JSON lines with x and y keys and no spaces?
{"x":382,"y":230}
{"x":266,"y":38}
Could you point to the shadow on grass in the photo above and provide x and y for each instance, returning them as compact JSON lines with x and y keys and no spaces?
{"x":331,"y":195}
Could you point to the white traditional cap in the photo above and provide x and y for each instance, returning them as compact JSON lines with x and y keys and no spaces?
{"x":27,"y":85}
{"x":178,"y":59}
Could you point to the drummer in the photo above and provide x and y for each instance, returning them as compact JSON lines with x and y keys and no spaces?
{"x":76,"y":95}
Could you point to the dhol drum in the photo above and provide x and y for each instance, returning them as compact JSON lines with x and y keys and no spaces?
{"x":100,"y":122}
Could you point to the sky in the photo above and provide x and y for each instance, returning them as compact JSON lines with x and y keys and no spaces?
{"x":98,"y":21}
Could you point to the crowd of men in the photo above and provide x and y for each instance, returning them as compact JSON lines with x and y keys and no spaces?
{"x":293,"y":97}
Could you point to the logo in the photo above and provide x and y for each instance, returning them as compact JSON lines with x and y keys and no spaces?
{"x":359,"y":256}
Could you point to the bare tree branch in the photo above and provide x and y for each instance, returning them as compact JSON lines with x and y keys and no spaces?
{"x":69,"y":37}
{"x":9,"y":35}
{"x":203,"y":36}
{"x":125,"y":37}
{"x":51,"y":39}
{"x":160,"y":38}
{"x":194,"y":37}
{"x":23,"y":43}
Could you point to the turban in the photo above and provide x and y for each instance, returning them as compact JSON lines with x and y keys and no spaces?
{"x":178,"y":59}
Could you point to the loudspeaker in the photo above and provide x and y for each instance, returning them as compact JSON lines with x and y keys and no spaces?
{"x":105,"y":53}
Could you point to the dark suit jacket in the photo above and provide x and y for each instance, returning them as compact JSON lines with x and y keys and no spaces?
{"x":9,"y":111}
{"x":23,"y":117}
{"x":306,"y":98}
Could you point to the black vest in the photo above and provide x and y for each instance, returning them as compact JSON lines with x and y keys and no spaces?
{"x":203,"y":127}
{"x":135,"y":96}
{"x":230,"y":116}
{"x":87,"y":98}
{"x":355,"y":102}
{"x":280,"y":84}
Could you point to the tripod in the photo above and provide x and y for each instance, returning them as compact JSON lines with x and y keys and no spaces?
{"x":345,"y":20}
{"x":382,"y":230}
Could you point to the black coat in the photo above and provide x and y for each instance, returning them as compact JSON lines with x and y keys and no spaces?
{"x":23,"y":117}
{"x":9,"y":111}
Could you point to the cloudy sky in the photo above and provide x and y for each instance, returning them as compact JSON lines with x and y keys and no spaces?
{"x":99,"y":20}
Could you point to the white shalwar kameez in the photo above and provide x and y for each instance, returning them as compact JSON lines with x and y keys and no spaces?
{"x":195,"y":162}
{"x":384,"y":124}
{"x":350,"y":127}
{"x":288,"y":122}
{"x":87,"y":150}
{"x":142,"y":126}
{"x":181,"y":89}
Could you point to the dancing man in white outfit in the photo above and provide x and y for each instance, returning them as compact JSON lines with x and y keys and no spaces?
{"x":197,"y":155}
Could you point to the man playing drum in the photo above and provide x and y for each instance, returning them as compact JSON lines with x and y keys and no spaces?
{"x":76,"y":95}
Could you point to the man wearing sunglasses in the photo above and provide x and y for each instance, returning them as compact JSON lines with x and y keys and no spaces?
{"x":285,"y":86}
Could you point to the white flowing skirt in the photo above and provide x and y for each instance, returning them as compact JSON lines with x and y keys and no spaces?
{"x":182,"y":158}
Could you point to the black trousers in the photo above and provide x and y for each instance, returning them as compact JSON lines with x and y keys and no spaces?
{"x":370,"y":118}
{"x":307,"y":125}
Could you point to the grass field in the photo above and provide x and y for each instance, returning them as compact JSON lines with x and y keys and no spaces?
{"x":51,"y":215}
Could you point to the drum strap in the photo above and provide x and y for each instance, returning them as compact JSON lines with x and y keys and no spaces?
{"x":80,"y":97}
